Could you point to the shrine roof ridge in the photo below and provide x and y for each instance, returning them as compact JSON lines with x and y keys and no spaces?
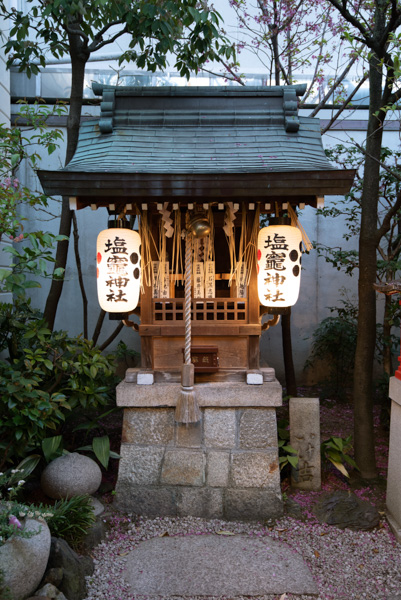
{"x":200,"y":91}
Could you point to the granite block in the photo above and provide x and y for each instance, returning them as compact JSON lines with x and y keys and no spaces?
{"x":219,"y":428}
{"x":183,"y":467}
{"x":218,"y":468}
{"x":147,"y":426}
{"x":257,"y":428}
{"x":254,"y":469}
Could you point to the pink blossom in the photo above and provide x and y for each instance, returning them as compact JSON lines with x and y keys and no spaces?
{"x":14,"y":521}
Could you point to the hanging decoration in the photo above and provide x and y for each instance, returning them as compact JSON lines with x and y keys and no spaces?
{"x":279,"y":263}
{"x":229,"y":230}
{"x":177,"y":265}
{"x":148,"y":242}
{"x":306,"y":243}
{"x":166,"y":230}
{"x":118,"y":268}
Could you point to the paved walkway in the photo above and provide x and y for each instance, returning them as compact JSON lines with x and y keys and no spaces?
{"x":216,"y":565}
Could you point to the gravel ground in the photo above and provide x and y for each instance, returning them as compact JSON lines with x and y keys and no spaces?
{"x":345,"y":564}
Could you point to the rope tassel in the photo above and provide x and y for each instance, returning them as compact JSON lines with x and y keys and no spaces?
{"x":187,"y":409}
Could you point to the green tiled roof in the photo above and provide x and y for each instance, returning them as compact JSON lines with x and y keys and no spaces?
{"x":260,"y":135}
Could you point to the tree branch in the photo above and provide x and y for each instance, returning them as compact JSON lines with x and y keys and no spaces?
{"x":345,"y":104}
{"x":342,"y":9}
{"x":333,"y":87}
{"x":112,"y":336}
{"x":386,"y":223}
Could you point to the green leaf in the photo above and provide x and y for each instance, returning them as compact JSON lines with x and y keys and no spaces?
{"x":293,"y":460}
{"x":50,"y":446}
{"x":14,"y":160}
{"x":101,"y":448}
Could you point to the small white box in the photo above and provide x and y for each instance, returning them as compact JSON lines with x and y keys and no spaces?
{"x":254,"y":378}
{"x":145,"y":379}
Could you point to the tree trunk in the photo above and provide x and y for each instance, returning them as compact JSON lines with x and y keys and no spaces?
{"x":290,"y":380}
{"x":364,"y":356}
{"x":78,"y":63}
{"x":387,"y":357}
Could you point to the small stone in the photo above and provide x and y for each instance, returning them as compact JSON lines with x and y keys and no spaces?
{"x":71,"y":475}
{"x":75,"y":569}
{"x":345,"y":510}
{"x":53,"y":576}
{"x":50,"y":591}
{"x":97,"y":506}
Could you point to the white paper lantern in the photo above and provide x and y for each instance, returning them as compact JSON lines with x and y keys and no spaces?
{"x":279,"y":265}
{"x":118,"y":269}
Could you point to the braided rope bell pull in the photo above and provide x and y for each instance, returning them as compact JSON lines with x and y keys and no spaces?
{"x":187,"y":409}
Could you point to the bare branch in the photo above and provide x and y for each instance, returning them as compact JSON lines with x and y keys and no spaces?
{"x":345,"y":104}
{"x":333,"y":87}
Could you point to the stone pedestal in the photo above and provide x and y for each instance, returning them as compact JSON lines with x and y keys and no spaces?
{"x":393,"y":496}
{"x":225,"y":466}
{"x":305,"y":437}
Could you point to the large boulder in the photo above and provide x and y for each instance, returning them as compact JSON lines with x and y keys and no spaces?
{"x":71,"y":475}
{"x":74,"y":569}
{"x":23,"y":560}
{"x":345,"y":510}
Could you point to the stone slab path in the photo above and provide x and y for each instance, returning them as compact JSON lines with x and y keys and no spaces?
{"x":216,"y":565}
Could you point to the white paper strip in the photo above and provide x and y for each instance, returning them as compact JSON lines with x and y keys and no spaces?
{"x":199,"y":280}
{"x":155,"y":279}
{"x":164,"y":280}
{"x":210,"y":284}
{"x":241,"y":283}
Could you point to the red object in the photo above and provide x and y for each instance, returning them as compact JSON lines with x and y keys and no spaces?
{"x":398,"y":371}
{"x":259,"y":254}
{"x":98,"y":257}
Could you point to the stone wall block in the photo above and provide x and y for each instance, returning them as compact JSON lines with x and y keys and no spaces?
{"x":140,"y":465}
{"x":148,"y":426}
{"x":219,"y":428}
{"x":145,"y":500}
{"x":183,"y":467}
{"x":257,"y":428}
{"x":305,"y":438}
{"x":254,"y":469}
{"x":188,"y":435}
{"x":250,"y":505}
{"x":202,"y":502}
{"x":218,"y":468}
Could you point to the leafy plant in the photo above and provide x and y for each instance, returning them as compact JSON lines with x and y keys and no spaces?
{"x":71,"y":519}
{"x":48,"y":375}
{"x":336,"y":450}
{"x":287,"y":454}
{"x":334,"y":342}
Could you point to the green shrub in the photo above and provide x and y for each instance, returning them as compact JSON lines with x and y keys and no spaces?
{"x":334,"y":342}
{"x":48,"y":375}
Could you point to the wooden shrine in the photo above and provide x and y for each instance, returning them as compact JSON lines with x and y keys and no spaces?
{"x":193,"y":170}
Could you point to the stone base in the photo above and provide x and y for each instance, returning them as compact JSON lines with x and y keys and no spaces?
{"x":225,"y":466}
{"x":395,"y":527}
{"x":393,"y":495}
